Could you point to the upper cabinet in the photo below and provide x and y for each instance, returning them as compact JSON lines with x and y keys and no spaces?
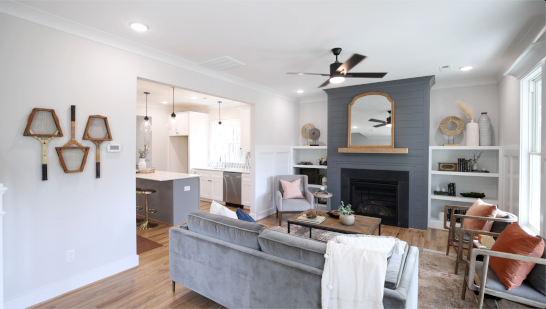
{"x":183,"y":117}
{"x":245,"y":130}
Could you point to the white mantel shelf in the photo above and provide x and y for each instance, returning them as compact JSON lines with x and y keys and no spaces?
{"x":165,"y":176}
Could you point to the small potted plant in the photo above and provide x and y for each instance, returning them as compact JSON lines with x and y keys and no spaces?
{"x":142,"y":155}
{"x":346,"y":216}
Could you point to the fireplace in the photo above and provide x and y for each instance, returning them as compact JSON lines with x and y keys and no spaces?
{"x":377,"y":193}
{"x":375,"y":199}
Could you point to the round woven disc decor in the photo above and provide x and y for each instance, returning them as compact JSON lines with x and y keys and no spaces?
{"x":314,"y":134}
{"x":457,"y":121}
{"x":305,"y":129}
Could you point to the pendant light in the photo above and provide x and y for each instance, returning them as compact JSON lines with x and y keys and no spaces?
{"x":146,"y":125}
{"x":173,"y":123}
{"x":219,"y":120}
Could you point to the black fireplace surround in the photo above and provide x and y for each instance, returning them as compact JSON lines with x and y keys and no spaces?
{"x":377,"y":193}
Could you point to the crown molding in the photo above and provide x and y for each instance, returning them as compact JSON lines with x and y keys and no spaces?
{"x":323,"y":97}
{"x":43,"y":18}
{"x":465,"y":83}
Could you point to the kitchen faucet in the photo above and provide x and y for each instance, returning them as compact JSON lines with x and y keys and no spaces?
{"x":221,"y":160}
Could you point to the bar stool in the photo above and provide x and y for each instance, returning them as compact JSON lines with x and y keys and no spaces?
{"x":146,"y":225}
{"x":139,"y":207}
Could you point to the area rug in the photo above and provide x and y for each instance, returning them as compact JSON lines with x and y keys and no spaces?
{"x":439,"y":287}
{"x":144,"y":244}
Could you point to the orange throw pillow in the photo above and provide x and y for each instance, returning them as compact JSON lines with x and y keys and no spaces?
{"x":480,"y":209}
{"x":515,"y":240}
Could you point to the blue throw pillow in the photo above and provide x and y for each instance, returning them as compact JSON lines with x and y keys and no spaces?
{"x":244,"y":216}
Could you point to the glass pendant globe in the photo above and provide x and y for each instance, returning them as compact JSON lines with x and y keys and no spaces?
{"x":146,"y":126}
{"x":173,"y":125}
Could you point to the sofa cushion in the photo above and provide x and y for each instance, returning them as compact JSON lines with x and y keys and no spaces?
{"x":297,"y":249}
{"x":231,"y":230}
{"x":295,"y":205}
{"x":493,"y":282}
{"x":395,"y":267}
{"x":537,"y":276}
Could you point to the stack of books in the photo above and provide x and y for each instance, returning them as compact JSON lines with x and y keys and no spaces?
{"x":317,"y":220}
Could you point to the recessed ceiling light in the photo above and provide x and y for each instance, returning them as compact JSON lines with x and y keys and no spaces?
{"x":164,"y":102}
{"x":300,"y":91}
{"x":139,"y":27}
{"x":466,"y":68}
{"x":355,"y":127}
{"x":193,"y":97}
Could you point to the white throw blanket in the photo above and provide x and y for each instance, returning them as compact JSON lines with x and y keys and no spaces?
{"x":354,"y":273}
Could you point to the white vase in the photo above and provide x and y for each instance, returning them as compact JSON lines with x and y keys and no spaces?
{"x":472,"y":134}
{"x":475,"y":166}
{"x":142,"y":164}
{"x":347,"y":220}
{"x":485,"y":130}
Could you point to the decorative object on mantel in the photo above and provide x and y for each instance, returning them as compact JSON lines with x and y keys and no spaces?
{"x":472,"y":128}
{"x":346,"y":214}
{"x":452,"y":167}
{"x":314,"y":135}
{"x":43,"y":125}
{"x":485,"y":130}
{"x":97,"y":131}
{"x":473,"y":194}
{"x":72,"y":156}
{"x":451,"y":133}
{"x":142,"y":156}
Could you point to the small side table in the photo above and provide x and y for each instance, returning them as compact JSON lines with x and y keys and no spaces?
{"x":317,"y":196}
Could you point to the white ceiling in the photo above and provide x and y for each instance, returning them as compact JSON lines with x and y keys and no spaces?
{"x":406,"y":39}
{"x":160,"y":92}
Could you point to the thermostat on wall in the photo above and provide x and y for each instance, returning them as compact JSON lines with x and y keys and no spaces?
{"x":113,"y":147}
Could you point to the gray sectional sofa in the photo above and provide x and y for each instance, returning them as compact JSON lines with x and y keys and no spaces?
{"x":240,"y":264}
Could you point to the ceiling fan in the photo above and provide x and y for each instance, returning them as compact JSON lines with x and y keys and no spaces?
{"x":383,"y":122}
{"x":339,"y":71}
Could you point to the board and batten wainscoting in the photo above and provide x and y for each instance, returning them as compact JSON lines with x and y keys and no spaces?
{"x":510,"y":179}
{"x":411,"y":130}
{"x":2,"y":213}
{"x":275,"y":161}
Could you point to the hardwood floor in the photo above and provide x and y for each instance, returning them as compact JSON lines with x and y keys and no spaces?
{"x":149,"y":286}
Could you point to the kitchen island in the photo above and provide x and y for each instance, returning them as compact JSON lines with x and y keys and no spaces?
{"x":177,"y":194}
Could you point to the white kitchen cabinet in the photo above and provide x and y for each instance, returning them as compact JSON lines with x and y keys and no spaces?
{"x":212,"y":184}
{"x":245,"y":190}
{"x":205,"y":184}
{"x":217,"y":189}
{"x":184,"y":118}
{"x":245,"y":130}
{"x":189,"y":146}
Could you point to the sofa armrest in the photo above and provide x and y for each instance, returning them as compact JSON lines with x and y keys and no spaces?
{"x":407,"y":291}
{"x":278,"y":200}
{"x":309,"y":197}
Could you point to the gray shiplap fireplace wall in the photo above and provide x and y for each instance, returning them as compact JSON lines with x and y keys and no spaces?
{"x":411,"y":130}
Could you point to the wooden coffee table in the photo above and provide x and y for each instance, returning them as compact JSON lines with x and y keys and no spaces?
{"x":362,"y":225}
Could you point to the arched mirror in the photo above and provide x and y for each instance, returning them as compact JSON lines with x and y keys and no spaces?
{"x":371,"y":121}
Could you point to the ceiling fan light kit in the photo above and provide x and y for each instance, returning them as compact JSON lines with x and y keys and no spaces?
{"x":339,"y":71}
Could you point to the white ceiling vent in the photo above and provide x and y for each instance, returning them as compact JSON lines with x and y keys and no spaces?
{"x":445,"y":68}
{"x":222,"y":63}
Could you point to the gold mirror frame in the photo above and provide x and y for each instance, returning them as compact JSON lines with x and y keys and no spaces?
{"x":392,"y":120}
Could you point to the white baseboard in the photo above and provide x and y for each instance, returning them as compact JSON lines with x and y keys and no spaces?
{"x":70,"y":284}
{"x":264,"y":213}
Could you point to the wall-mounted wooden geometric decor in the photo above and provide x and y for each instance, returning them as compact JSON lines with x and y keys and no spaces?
{"x":43,"y":125}
{"x":97,"y":131}
{"x":73,"y":155}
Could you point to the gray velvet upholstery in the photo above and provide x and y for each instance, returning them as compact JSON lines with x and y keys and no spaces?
{"x":232,"y":230}
{"x":537,"y":276}
{"x":237,"y":276}
{"x":524,"y":290}
{"x":293,"y":205}
{"x":301,"y":250}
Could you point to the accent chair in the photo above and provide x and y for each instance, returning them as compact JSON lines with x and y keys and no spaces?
{"x":292,"y":205}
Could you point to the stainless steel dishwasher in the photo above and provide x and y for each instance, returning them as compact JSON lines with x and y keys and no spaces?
{"x":232,"y":188}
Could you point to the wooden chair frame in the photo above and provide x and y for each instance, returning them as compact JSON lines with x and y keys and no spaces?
{"x":452,"y":240}
{"x":471,"y":277}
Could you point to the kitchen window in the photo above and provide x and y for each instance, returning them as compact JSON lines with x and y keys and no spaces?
{"x":225,"y":139}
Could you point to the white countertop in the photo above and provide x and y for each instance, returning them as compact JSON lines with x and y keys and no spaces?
{"x":235,"y":170}
{"x":165,"y":176}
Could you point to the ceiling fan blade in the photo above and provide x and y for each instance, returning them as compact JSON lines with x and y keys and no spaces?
{"x":351,"y":63}
{"x":366,"y":75}
{"x":325,"y":83}
{"x":379,"y":125}
{"x":376,"y":120}
{"x":299,"y":73}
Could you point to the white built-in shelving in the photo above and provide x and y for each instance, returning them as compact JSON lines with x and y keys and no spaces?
{"x":309,"y":154}
{"x":487,"y":183}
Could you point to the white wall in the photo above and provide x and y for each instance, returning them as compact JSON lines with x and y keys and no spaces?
{"x":315,"y":113}
{"x":483,"y":98}
{"x":509,"y":111}
{"x":43,"y":67}
{"x":159,"y":135}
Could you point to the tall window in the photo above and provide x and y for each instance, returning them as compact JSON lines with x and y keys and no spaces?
{"x":531,"y":149}
{"x":225,"y":140}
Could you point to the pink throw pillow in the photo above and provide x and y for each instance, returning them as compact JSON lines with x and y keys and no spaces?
{"x":291,"y":189}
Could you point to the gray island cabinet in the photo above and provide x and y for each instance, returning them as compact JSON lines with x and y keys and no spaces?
{"x":176,"y":195}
